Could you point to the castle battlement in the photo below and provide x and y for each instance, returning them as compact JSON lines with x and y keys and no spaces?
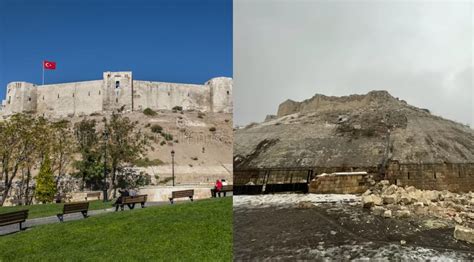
{"x":114,"y":91}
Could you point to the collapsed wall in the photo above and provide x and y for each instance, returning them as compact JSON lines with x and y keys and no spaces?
{"x":117,"y":90}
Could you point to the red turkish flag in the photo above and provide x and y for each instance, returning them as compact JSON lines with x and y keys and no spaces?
{"x":49,"y":65}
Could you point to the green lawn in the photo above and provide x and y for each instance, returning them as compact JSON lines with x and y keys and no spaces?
{"x":198,"y":231}
{"x":52,"y":209}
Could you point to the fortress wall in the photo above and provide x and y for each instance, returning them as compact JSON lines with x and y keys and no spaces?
{"x":114,"y":92}
{"x":455,"y":177}
{"x":70,"y":98}
{"x":165,"y":96}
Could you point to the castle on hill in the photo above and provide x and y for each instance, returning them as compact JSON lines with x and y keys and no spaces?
{"x":116,"y":90}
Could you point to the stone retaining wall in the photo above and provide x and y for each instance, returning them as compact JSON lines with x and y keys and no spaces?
{"x":339,"y":184}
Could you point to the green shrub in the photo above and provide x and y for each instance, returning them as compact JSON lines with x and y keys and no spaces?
{"x":146,"y":162}
{"x":156,"y":128}
{"x":168,"y":137}
{"x":177,"y":108}
{"x":149,"y":112}
{"x":45,"y":184}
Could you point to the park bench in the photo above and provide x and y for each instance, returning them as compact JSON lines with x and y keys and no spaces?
{"x":225,"y":189}
{"x":182,"y":193}
{"x":132,"y":200}
{"x":13,"y":218}
{"x":92,"y":194}
{"x":77,"y":207}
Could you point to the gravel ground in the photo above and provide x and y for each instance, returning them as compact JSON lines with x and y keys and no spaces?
{"x":335,"y":227}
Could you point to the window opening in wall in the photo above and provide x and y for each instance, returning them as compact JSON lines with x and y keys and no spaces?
{"x":29,"y":99}
{"x":434,"y":175}
{"x":169,"y":93}
{"x":228,"y":93}
{"x":72,"y":94}
{"x":89,"y":93}
{"x":459,"y":173}
{"x":117,"y":84}
{"x":116,"y":100}
{"x":9,"y":99}
{"x":408,"y":175}
{"x":99,"y":92}
{"x":58,"y":95}
{"x":43,"y":97}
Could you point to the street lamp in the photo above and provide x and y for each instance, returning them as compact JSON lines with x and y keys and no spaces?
{"x":172,"y":164}
{"x":106,"y":137}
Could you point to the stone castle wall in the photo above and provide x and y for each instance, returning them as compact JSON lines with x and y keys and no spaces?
{"x":116,"y":90}
{"x":455,"y":177}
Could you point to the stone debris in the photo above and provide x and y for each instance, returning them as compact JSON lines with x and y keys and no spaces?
{"x":387,"y":214}
{"x":305,"y":204}
{"x":464,"y":234}
{"x":386,"y":200}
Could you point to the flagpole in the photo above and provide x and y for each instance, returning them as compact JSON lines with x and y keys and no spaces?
{"x":42,"y":65}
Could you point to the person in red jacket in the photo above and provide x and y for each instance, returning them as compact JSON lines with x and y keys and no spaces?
{"x":218,"y":187}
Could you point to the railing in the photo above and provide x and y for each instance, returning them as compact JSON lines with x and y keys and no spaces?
{"x":271,"y":180}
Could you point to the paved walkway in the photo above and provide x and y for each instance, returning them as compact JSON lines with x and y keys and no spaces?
{"x":30,"y":223}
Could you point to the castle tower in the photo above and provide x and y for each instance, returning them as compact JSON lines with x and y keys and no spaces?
{"x":118,"y":90}
{"x":221,"y":94}
{"x":20,"y":97}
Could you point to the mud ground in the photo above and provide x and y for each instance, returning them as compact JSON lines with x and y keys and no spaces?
{"x":339,"y":232}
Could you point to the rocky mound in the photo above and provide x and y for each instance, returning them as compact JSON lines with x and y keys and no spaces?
{"x":351,"y":131}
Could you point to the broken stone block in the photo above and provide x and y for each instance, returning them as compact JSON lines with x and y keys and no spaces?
{"x":370,"y":201}
{"x":378,"y":210}
{"x":464,"y":234}
{"x":402,"y":213}
{"x":410,"y":189}
{"x":387,"y":214}
{"x":405,"y":200}
{"x":367,"y":201}
{"x":390,"y":190}
{"x":384,"y":182}
{"x":431,"y":195}
{"x":457,"y":219}
{"x":377,"y":200}
{"x":389,"y":199}
{"x":368,"y":192}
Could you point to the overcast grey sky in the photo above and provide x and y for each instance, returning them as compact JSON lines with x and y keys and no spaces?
{"x":420,"y":51}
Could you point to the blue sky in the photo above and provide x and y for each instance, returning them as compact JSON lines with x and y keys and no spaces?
{"x":187,"y":41}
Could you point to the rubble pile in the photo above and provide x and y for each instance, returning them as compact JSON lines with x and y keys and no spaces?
{"x":393,"y":201}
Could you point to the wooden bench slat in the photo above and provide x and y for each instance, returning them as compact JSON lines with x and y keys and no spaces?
{"x":69,"y":208}
{"x":134,"y":199}
{"x":182,"y":193}
{"x":13,"y":217}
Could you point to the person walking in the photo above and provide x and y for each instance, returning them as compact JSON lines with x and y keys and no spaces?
{"x":218,"y":188}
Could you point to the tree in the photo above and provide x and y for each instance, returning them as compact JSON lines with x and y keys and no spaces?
{"x":16,"y":148}
{"x":87,"y":146}
{"x":62,"y":148}
{"x":45,"y":184}
{"x":125,"y":144}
